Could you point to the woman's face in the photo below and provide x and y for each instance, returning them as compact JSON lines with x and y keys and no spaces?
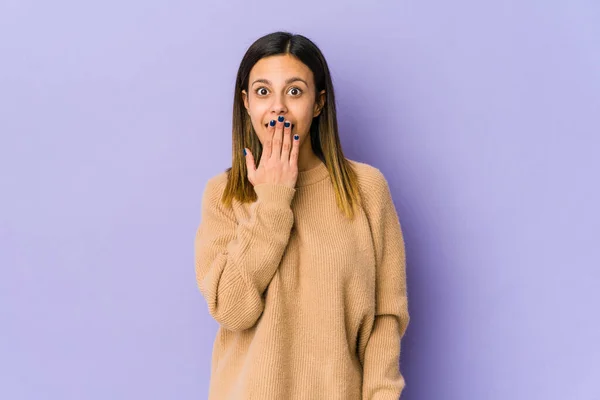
{"x":282,"y":85}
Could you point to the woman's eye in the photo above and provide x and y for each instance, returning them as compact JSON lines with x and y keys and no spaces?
{"x":262,"y":91}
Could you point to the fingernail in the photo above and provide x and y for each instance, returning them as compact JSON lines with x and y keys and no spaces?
{"x":287,"y":124}
{"x":244,"y":151}
{"x":272,"y":123}
{"x":281,"y":118}
{"x":296,"y":137}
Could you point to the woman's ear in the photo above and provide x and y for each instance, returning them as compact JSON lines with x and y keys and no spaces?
{"x":319,"y":104}
{"x":245,"y":98}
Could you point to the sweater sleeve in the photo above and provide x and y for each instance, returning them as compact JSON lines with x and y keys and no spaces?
{"x":236,"y":260}
{"x":382,"y":379}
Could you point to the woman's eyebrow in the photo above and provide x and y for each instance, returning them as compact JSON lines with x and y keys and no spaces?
{"x":287,"y":82}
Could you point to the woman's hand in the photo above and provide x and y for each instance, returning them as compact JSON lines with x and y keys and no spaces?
{"x":278,"y":165}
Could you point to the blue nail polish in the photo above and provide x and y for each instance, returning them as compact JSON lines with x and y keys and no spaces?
{"x":244,"y":151}
{"x":296,"y":137}
{"x":272,"y":123}
{"x":287,"y":124}
{"x":281,"y":118}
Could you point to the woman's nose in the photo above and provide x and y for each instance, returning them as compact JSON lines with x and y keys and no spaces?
{"x":279,"y":105}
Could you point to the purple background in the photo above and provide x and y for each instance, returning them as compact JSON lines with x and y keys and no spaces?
{"x":484,"y":118}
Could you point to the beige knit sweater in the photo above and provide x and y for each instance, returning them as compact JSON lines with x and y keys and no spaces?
{"x":310,"y":305}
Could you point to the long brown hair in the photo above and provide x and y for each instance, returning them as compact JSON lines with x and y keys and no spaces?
{"x":324,"y":136}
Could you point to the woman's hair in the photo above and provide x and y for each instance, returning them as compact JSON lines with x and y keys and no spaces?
{"x":323,"y":130}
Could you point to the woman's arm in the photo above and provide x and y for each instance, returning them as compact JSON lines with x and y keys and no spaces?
{"x":382,"y":379}
{"x":236,"y":260}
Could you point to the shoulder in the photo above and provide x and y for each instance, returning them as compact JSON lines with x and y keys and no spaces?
{"x":374,"y":189}
{"x":370,"y":178}
{"x":216,"y":182}
{"x":214,"y":188}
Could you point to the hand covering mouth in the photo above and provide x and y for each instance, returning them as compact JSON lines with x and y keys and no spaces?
{"x":267,"y":125}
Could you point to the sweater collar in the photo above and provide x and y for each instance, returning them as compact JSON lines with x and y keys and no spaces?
{"x":313,"y":175}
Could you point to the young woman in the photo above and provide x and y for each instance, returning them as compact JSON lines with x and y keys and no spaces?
{"x":300,"y":256}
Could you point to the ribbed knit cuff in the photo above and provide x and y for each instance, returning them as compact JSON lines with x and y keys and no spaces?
{"x":275,"y":193}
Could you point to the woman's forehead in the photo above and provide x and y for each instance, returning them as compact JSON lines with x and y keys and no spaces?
{"x":279,"y":69}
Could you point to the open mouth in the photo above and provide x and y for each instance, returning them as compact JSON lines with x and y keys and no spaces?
{"x":267,"y":125}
